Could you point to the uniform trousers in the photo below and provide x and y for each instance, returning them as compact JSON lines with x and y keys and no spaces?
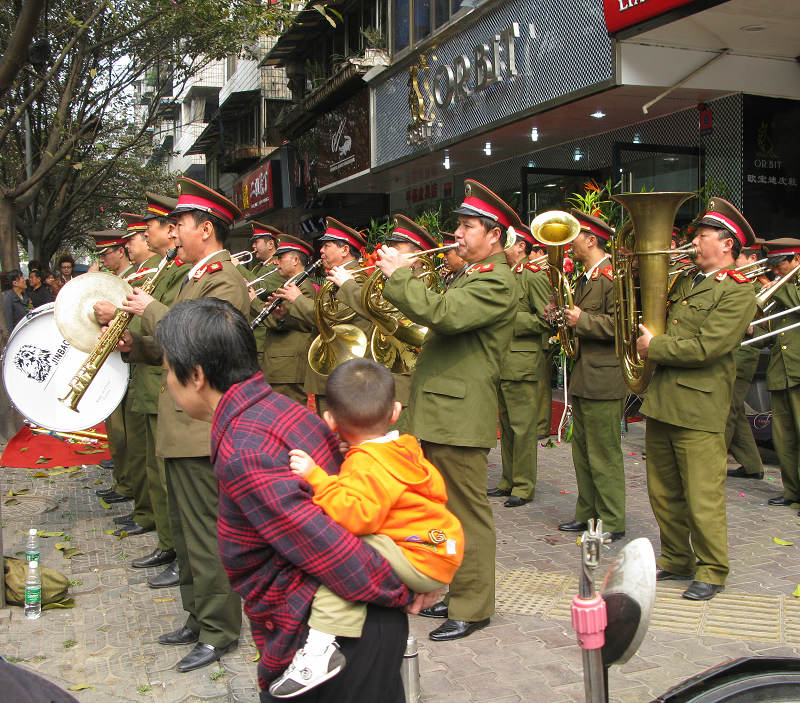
{"x":738,"y":434}
{"x":136,"y":466}
{"x":373,"y":663}
{"x":786,"y":438}
{"x":465,"y":469}
{"x":118,"y":448}
{"x":291,"y":390}
{"x":597,"y":457}
{"x":686,"y":472}
{"x":215,"y":611}
{"x":518,"y":437}
{"x":157,"y":486}
{"x":544,"y":399}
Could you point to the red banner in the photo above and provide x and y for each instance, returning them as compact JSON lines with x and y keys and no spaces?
{"x":253,"y":192}
{"x":621,"y":14}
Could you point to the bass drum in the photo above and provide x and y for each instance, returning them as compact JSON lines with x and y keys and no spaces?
{"x":38,"y":364}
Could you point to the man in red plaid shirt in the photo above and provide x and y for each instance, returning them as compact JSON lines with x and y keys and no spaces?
{"x":275,"y":544}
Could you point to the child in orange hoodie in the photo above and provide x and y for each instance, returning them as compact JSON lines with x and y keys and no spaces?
{"x":387,"y":492}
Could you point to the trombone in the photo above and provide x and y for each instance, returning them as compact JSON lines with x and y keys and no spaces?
{"x":260,"y":278}
{"x":413,"y":257}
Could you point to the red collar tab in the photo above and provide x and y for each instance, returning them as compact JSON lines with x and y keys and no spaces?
{"x":608,"y":272}
{"x":483,"y":268}
{"x":208,"y":268}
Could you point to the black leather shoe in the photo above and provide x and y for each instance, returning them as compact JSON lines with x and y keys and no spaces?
{"x":181,"y":636}
{"x":456,"y":629}
{"x":699,"y":590}
{"x":124,"y":519}
{"x":739,"y":472}
{"x":515,"y":502}
{"x":780,"y":500}
{"x":573,"y":526}
{"x":169,"y":577}
{"x":497,"y":492}
{"x":202,"y":655}
{"x":158,"y":557}
{"x":107,"y":464}
{"x":103,"y":492}
{"x":617,"y":535}
{"x":664,"y":575}
{"x":131,"y":529}
{"x":115,"y":497}
{"x":439,"y":610}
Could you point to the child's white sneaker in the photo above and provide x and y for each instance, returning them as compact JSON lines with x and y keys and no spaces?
{"x":308,"y":671}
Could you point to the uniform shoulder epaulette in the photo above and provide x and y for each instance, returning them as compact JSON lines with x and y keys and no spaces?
{"x":737,"y":276}
{"x":208,"y":268}
{"x":533,"y":267}
{"x":178,"y":262}
{"x":608,"y":272}
{"x":483,"y":268}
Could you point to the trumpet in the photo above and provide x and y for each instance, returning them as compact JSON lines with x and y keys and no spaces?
{"x":242,"y":257}
{"x":139,"y":274}
{"x":260,"y":278}
{"x":412,"y":257}
{"x":297,"y":279}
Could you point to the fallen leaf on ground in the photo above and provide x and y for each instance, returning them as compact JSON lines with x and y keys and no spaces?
{"x":162,"y":600}
{"x":796,"y":592}
{"x":105,"y":505}
{"x":40,"y":533}
{"x":41,"y":474}
{"x":782,"y":542}
{"x":80,"y":687}
{"x":11,"y":501}
{"x":23,"y":449}
{"x":98,"y":481}
{"x":44,"y":459}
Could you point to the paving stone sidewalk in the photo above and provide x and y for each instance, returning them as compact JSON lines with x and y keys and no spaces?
{"x":108,"y":641}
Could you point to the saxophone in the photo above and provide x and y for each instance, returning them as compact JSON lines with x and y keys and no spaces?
{"x":107,"y":342}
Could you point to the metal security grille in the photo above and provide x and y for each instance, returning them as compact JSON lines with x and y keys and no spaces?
{"x":562,"y":47}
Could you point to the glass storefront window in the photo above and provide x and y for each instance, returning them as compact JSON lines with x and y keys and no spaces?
{"x":402,"y":33}
{"x":442,"y":12}
{"x":422,"y":19}
{"x":416,"y":19}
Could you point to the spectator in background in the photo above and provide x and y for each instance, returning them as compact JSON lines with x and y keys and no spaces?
{"x":65,"y":266}
{"x":51,"y":282}
{"x":15,"y":300}
{"x":38,"y":292}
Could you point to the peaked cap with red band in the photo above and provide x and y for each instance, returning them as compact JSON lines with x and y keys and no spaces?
{"x":524,"y":232}
{"x":136,"y":223}
{"x":406,"y":230}
{"x":447,"y":237}
{"x":159,"y":206}
{"x":287,"y":242}
{"x":784,"y":246}
{"x":260,"y":230}
{"x":479,"y":201}
{"x":107,"y":239}
{"x":593,"y":225}
{"x":722,"y":215}
{"x":335,"y":231}
{"x":196,"y":196}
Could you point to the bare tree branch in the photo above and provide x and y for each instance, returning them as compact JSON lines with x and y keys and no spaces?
{"x":16,"y":53}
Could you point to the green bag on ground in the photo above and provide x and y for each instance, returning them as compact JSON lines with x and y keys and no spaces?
{"x":54,"y":584}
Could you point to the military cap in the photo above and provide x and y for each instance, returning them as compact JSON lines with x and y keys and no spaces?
{"x":782,"y":247}
{"x":196,"y":196}
{"x":406,"y":230}
{"x":260,"y":230}
{"x":447,"y":238}
{"x":136,"y":223}
{"x":524,"y":232}
{"x":593,"y":225}
{"x":335,"y":231}
{"x":159,"y":206}
{"x":107,"y":239}
{"x":479,"y":201}
{"x":722,"y":215}
{"x":286,"y":242}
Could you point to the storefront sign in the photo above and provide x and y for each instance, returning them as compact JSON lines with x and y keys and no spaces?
{"x":771,"y":188}
{"x":253,"y":193}
{"x":621,"y":14}
{"x":343,"y":140}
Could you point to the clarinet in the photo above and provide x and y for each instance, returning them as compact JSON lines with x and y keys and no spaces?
{"x":297,"y":279}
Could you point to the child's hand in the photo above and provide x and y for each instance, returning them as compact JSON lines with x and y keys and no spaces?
{"x":300,"y":463}
{"x":344,"y":447}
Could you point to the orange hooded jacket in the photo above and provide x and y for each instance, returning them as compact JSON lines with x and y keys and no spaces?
{"x":390,"y":488}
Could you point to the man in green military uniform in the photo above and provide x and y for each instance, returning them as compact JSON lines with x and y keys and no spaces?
{"x":709,"y":312}
{"x":340,"y":248}
{"x":596,"y":386}
{"x":203,"y":221}
{"x":738,"y":434}
{"x":453,"y":403}
{"x":783,"y":371}
{"x":520,"y":376}
{"x":288,"y":338}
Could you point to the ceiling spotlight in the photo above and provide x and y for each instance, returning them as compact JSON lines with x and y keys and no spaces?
{"x":531,"y":164}
{"x":637,"y":138}
{"x":446,"y":162}
{"x":578,"y":155}
{"x":534,"y":134}
{"x":488,"y":149}
{"x":598,"y":114}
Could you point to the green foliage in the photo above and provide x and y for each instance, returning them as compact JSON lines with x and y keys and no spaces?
{"x":429,"y":219}
{"x":374,"y":37}
{"x":68,"y":644}
{"x":377,"y":233}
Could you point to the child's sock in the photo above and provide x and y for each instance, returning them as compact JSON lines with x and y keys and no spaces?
{"x":317,"y":641}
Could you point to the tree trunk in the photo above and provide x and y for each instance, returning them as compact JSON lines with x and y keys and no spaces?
{"x":9,"y":251}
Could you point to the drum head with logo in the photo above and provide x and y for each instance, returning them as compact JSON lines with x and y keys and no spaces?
{"x":38,"y":365}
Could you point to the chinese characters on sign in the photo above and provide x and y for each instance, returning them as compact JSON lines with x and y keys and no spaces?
{"x":253,"y":193}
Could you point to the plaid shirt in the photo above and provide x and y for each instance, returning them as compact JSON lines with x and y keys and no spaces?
{"x":275,"y":544}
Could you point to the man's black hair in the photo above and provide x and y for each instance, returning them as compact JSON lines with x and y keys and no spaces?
{"x":360,"y":396}
{"x":528,"y":246}
{"x":736,"y":248}
{"x":301,"y":255}
{"x":212,"y":334}
{"x":221,"y":228}
{"x":489,"y":224}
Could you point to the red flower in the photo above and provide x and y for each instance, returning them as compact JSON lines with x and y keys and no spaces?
{"x":569,"y":266}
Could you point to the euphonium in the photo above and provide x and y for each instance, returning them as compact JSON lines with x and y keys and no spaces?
{"x":556,"y":229}
{"x":647,"y":241}
{"x":338,"y":341}
{"x":107,"y":343}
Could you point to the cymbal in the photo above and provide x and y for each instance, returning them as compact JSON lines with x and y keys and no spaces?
{"x":74,"y":308}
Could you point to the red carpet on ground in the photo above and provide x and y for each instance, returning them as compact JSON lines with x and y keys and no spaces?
{"x":28,"y":450}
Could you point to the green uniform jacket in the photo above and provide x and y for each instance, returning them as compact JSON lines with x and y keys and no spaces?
{"x":783,"y":370}
{"x":597,"y":374}
{"x":139,"y":370}
{"x":178,"y":434}
{"x":454,"y":389}
{"x":303,"y":310}
{"x":746,"y":358}
{"x":521,"y":360}
{"x":287,"y":343}
{"x":693,"y":382}
{"x":270,"y":284}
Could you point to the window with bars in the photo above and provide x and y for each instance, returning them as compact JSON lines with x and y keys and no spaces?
{"x":414,"y":20}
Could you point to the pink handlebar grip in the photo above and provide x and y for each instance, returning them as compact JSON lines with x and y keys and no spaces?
{"x":589,"y":620}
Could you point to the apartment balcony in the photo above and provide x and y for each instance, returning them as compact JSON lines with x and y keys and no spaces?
{"x":208,"y":81}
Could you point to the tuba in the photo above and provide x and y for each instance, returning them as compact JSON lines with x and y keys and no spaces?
{"x":640,"y":257}
{"x":555,"y":229}
{"x":338,"y":340}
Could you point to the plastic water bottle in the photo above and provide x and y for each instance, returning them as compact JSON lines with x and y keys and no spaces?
{"x":33,"y":592}
{"x":32,"y":547}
